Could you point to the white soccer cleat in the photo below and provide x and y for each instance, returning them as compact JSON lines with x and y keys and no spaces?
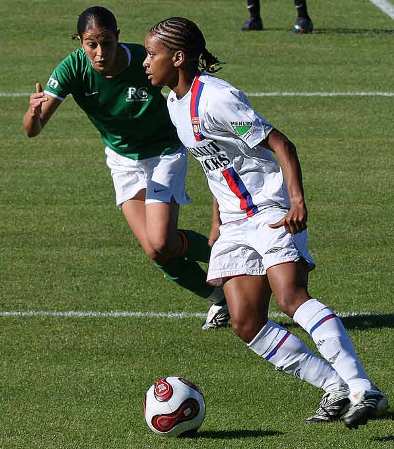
{"x":218,"y":316}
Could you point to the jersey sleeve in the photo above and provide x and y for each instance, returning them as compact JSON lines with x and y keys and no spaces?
{"x":231,"y":113}
{"x":60,"y":81}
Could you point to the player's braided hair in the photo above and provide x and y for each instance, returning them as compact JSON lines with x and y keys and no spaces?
{"x":95,"y":16}
{"x":178,"y":33}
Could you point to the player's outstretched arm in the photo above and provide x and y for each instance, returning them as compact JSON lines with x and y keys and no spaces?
{"x":286,"y":154}
{"x":41,"y":108}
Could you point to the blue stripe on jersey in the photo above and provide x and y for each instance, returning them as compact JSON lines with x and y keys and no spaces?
{"x":238,"y":187}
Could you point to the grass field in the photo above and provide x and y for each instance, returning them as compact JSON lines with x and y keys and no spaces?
{"x":79,"y":382}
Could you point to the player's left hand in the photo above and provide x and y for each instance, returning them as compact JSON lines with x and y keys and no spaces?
{"x":295,"y":220}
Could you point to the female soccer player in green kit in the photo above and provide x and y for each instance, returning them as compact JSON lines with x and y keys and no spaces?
{"x":147,"y":162}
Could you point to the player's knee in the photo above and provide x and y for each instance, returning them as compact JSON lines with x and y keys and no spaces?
{"x":157,"y":257}
{"x":289,"y":300}
{"x":153,"y":255}
{"x":159,"y":248}
{"x":247,"y":329}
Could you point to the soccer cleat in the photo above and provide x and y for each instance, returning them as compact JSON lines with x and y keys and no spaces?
{"x":218,"y":316}
{"x":303,"y":25}
{"x":383,"y":403}
{"x":333,"y":404}
{"x":368,"y":406}
{"x":255,"y":24}
{"x":382,"y":407}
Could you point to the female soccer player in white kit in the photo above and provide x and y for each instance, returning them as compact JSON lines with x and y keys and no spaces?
{"x":254,"y":174}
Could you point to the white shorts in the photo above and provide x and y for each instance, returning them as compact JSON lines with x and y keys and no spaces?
{"x":163,"y":177}
{"x":250,"y":247}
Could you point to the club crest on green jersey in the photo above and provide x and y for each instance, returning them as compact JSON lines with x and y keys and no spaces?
{"x":52,"y":82}
{"x":242,"y":128}
{"x":134,"y":94}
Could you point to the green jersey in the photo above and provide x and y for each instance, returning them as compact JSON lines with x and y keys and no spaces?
{"x":130,"y":114}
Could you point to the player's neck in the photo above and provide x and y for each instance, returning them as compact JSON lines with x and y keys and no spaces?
{"x":185,"y":81}
{"x":121,"y":62}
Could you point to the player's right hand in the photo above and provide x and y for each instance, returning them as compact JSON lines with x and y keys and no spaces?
{"x":213,"y":234}
{"x":36,"y":101}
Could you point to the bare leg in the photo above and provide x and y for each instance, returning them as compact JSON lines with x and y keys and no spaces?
{"x":155,"y":226}
{"x":248,"y":300}
{"x":289,"y":283}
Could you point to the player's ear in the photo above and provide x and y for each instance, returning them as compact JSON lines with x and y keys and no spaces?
{"x":178,"y":58}
{"x":117,"y":34}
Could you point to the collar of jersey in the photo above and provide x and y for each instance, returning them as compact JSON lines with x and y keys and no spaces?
{"x":186,"y":97}
{"x":128,"y":53}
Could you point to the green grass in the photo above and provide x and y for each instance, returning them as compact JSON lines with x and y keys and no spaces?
{"x":78,"y":383}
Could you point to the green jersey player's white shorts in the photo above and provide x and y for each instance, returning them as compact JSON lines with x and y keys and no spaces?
{"x":162,"y":176}
{"x":249,"y":247}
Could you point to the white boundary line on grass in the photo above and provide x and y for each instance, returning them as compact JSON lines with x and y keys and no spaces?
{"x":15,"y":94}
{"x":269,"y":94}
{"x":384,"y":6}
{"x":131,"y":314}
{"x":320,"y":94}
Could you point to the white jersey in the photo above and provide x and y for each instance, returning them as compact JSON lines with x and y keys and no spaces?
{"x":216,"y":123}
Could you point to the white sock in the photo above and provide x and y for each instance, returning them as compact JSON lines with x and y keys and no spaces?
{"x":331,"y":339}
{"x":288,"y":353}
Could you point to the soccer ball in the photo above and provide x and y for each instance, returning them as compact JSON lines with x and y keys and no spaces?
{"x":173,"y":406}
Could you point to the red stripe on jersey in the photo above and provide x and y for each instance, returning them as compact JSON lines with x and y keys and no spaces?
{"x":196,"y":91}
{"x":238,"y":187}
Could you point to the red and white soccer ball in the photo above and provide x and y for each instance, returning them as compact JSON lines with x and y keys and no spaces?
{"x":173,"y":406}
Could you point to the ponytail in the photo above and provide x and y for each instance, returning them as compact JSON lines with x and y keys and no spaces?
{"x":208,"y":62}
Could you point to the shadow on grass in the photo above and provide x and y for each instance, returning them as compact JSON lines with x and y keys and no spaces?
{"x":385,"y":439}
{"x":342,"y":31}
{"x":372,"y":321}
{"x":357,"y":31}
{"x":388,"y":416}
{"x":369,"y":321}
{"x":231,"y":434}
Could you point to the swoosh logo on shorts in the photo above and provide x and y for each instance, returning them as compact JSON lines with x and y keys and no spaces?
{"x":89,"y":94}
